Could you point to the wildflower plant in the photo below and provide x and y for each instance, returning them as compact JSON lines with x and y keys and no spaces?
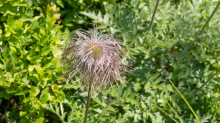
{"x":95,"y":57}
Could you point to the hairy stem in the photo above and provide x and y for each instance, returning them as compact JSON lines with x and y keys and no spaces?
{"x":207,"y":22}
{"x":206,"y":82}
{"x":203,"y":28}
{"x":153,"y":16}
{"x":88,"y":102}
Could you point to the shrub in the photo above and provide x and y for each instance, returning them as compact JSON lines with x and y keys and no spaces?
{"x":28,"y":62}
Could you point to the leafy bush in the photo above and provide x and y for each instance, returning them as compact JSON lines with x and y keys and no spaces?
{"x":29,"y":76}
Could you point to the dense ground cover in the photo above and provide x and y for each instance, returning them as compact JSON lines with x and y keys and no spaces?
{"x":176,"y":48}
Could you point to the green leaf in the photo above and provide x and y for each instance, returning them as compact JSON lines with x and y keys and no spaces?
{"x":24,"y":120}
{"x":35,"y":25}
{"x":45,"y":51}
{"x":45,"y":91}
{"x":29,"y":3}
{"x":30,"y":68}
{"x":14,"y":58}
{"x":39,"y":120}
{"x":153,"y":77}
{"x":44,"y":98}
{"x":60,"y":3}
{"x":35,"y":78}
{"x":56,"y":52}
{"x":51,"y":22}
{"x":205,"y":118}
{"x":137,"y":86}
{"x":44,"y":39}
{"x":34,"y":91}
{"x":36,"y":36}
{"x":42,"y":31}
{"x":5,"y":52}
{"x":19,"y":91}
{"x":147,"y":87}
{"x":61,"y":96}
{"x":25,"y":17}
{"x":43,"y":83}
{"x":25,"y":80}
{"x":1,"y":81}
{"x":49,"y":12}
{"x":19,"y":23}
{"x":2,"y":66}
{"x":8,"y":33}
{"x":12,"y":49}
{"x":39,"y":70}
{"x":11,"y":22}
{"x":23,"y":113}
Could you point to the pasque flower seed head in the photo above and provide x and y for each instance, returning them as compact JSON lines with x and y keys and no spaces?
{"x":94,"y":57}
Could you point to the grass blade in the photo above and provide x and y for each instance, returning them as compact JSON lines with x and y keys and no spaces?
{"x":174,"y":111}
{"x":156,"y":107}
{"x":183,"y":98}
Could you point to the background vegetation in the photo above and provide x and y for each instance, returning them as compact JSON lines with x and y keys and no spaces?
{"x":32,"y":88}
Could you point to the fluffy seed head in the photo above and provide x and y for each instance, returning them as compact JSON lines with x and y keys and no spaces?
{"x":94,"y":57}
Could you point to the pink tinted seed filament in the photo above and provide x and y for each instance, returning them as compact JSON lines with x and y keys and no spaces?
{"x":95,"y":57}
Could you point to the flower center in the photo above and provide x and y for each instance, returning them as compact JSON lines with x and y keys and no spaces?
{"x":96,"y":51}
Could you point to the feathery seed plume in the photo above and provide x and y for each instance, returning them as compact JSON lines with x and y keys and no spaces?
{"x":94,"y":57}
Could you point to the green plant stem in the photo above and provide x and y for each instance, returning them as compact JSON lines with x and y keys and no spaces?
{"x":207,"y":22}
{"x":156,"y":107}
{"x":88,"y":102}
{"x":183,"y":98}
{"x":206,"y":82}
{"x":173,"y":110}
{"x":153,"y":16}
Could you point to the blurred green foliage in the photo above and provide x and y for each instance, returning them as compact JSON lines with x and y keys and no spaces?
{"x":28,"y":61}
{"x":70,"y":11}
{"x":32,"y":88}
